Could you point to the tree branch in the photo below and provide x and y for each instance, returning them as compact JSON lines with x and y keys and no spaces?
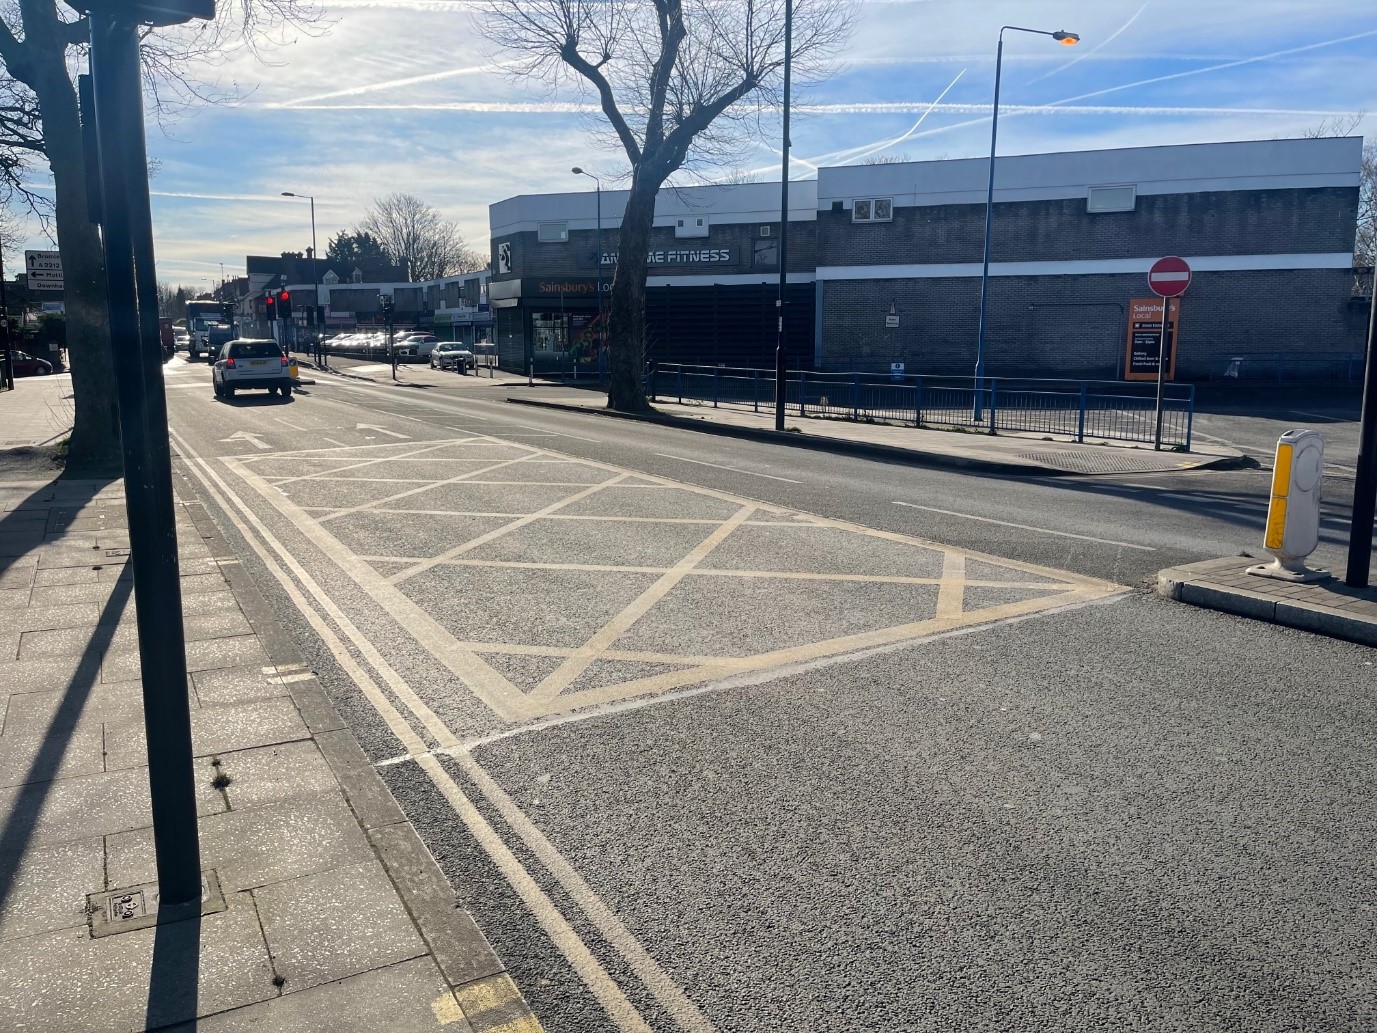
{"x":593,"y":73}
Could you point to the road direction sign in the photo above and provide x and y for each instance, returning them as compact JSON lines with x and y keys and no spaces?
{"x":1169,"y":277}
{"x":44,"y":270}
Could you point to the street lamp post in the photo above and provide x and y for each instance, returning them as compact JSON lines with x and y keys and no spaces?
{"x":1069,"y":39}
{"x":784,"y":223}
{"x":315,"y":278}
{"x":602,"y":325}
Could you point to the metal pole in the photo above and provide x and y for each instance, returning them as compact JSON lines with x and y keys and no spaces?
{"x":783,"y":219}
{"x":147,"y":464}
{"x":1161,"y":373}
{"x":1365,"y":477}
{"x":602,"y":321}
{"x":989,"y":227}
{"x":315,"y":291}
{"x":8,"y":359}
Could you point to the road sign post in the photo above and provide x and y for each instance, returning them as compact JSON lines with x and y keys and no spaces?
{"x":1168,"y":278}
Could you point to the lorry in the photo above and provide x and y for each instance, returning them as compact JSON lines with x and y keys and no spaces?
{"x":210,"y":325}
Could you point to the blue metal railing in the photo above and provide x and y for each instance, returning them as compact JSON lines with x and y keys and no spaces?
{"x":1081,"y":410}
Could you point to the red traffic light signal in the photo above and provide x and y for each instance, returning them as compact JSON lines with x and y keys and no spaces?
{"x":270,"y":307}
{"x":284,"y":305}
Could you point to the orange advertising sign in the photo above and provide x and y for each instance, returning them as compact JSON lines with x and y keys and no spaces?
{"x":1145,"y":338}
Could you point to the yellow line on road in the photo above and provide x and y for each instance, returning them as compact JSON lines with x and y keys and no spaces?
{"x":563,"y":676}
{"x":620,"y":1010}
{"x":483,"y":539}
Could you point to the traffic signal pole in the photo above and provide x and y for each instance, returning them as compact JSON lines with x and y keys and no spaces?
{"x":1365,"y":477}
{"x":149,"y":503}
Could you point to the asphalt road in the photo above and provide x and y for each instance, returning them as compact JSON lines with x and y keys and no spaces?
{"x":715,"y":735}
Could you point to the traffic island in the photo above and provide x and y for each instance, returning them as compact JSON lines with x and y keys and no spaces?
{"x":1325,"y":608}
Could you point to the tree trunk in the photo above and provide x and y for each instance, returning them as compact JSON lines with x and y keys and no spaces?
{"x":626,"y":314}
{"x":95,"y":434}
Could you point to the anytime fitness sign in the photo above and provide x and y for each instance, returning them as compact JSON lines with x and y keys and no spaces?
{"x":675,"y":256}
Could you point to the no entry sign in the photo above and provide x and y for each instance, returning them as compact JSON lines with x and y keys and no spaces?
{"x":1169,"y":277}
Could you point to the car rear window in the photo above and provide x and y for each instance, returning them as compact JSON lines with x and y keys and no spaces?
{"x":256,"y":350}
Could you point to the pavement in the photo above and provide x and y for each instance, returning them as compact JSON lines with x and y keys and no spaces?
{"x":1005,"y":453}
{"x":38,"y":411}
{"x":331,"y":915}
{"x":1326,"y":607}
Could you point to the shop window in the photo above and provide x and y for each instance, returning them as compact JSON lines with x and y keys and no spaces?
{"x":872,"y":209}
{"x":1111,"y":199}
{"x":552,"y":232}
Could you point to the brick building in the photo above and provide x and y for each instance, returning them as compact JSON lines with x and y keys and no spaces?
{"x":1268,"y":227}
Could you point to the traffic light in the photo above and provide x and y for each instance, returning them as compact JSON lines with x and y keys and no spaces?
{"x":284,"y":305}
{"x":270,"y":308}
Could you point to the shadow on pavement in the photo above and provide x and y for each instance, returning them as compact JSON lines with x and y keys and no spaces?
{"x":18,"y":829}
{"x":174,"y":975}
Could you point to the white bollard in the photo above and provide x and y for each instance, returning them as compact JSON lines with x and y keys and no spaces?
{"x":1293,"y":516}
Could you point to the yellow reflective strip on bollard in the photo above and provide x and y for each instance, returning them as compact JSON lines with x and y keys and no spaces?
{"x":1276,"y":523}
{"x":1281,"y":472}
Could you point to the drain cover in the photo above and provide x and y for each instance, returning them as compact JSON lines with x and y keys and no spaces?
{"x":136,"y":907}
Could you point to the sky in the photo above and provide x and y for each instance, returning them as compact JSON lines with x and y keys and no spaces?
{"x":406,"y":95}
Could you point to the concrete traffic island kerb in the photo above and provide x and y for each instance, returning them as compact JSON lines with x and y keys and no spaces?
{"x":1325,"y":608}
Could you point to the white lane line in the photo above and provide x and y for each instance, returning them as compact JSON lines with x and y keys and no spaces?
{"x":1027,"y":527}
{"x":1322,"y":416}
{"x":732,"y":469}
{"x":289,"y":423}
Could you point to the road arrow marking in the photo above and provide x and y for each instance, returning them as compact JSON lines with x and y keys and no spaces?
{"x":253,"y":439}
{"x":382,"y":430}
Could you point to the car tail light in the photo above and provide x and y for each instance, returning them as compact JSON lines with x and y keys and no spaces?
{"x":284,"y":360}
{"x":229,"y":364}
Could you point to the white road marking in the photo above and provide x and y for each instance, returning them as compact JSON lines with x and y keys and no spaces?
{"x":332,"y":441}
{"x":1027,"y":527}
{"x":252,"y":439}
{"x":732,"y":469}
{"x":289,"y":423}
{"x":382,"y":430}
{"x":604,"y":988}
{"x":1321,"y":416}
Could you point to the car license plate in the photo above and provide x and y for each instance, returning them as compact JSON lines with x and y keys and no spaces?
{"x":258,"y":362}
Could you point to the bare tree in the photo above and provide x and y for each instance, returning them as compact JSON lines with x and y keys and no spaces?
{"x":1365,"y":244}
{"x":41,"y":48}
{"x":678,"y":82}
{"x":414,"y":235}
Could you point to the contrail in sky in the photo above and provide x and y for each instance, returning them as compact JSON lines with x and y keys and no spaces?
{"x":1089,"y":53}
{"x":412,"y":80}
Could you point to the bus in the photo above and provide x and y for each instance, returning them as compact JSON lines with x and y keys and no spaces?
{"x":208,"y":327}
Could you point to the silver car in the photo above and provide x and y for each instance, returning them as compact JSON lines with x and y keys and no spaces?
{"x":452,"y":355}
{"x":251,"y":364}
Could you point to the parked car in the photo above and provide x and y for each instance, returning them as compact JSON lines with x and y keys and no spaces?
{"x":26,"y":365}
{"x":248,"y":363}
{"x":418,"y":345}
{"x":452,"y":355}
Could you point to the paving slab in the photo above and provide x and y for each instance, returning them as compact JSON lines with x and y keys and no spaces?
{"x":66,"y":981}
{"x":1325,"y":608}
{"x":334,"y":924}
{"x":411,"y":997}
{"x":45,"y":887}
{"x":254,"y":848}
